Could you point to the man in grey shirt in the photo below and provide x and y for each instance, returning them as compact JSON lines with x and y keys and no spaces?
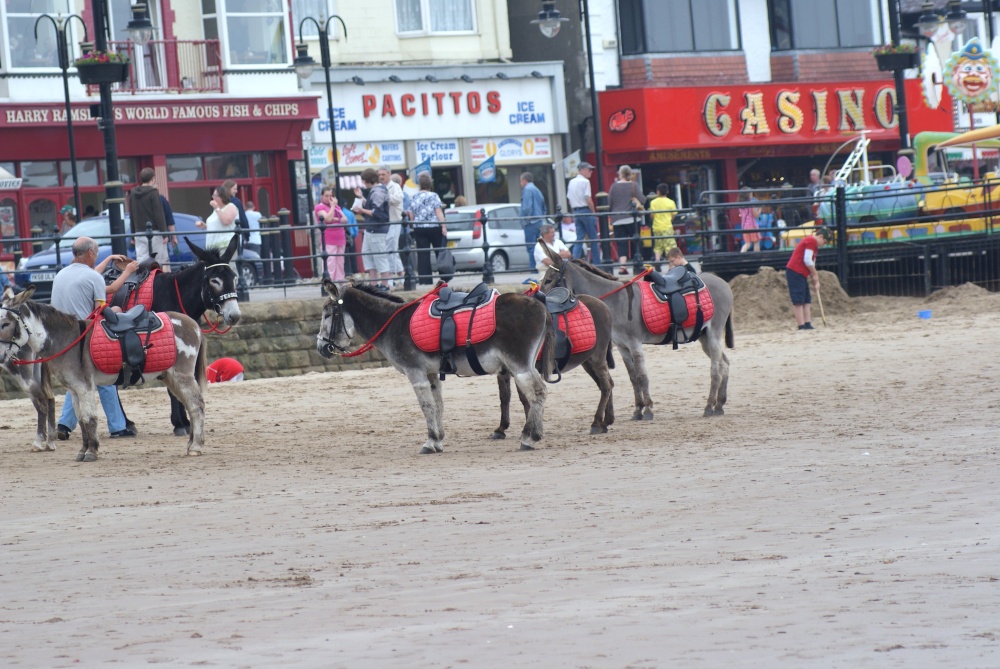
{"x":78,"y":290}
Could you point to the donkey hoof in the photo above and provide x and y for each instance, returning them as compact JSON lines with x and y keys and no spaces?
{"x":647,"y":415}
{"x":527,"y":447}
{"x":597,"y":429}
{"x":498,"y":434}
{"x":81,"y":455}
{"x":90,"y":456}
{"x":637,"y":415}
{"x":427,"y":450}
{"x":720,"y":412}
{"x":709,"y":412}
{"x":193,"y":452}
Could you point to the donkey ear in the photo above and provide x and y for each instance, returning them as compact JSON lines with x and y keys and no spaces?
{"x":199,"y":252}
{"x":21,"y":297}
{"x":331,"y":289}
{"x":8,"y":295}
{"x":556,"y":259}
{"x":231,"y":249}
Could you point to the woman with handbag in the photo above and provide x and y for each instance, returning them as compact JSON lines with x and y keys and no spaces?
{"x":624,"y":198}
{"x":428,"y":226}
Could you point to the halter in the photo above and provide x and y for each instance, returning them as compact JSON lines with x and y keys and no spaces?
{"x":92,"y":322}
{"x":12,"y":344}
{"x":338,"y":325}
{"x":214,"y":301}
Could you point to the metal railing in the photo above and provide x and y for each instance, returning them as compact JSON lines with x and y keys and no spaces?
{"x":171,"y":66}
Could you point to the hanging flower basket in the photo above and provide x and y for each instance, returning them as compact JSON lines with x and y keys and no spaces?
{"x":890,"y":59}
{"x":97,"y":67}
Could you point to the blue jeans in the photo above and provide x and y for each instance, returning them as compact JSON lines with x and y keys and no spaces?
{"x":586,"y":226}
{"x":109,"y":401}
{"x":532,"y":230}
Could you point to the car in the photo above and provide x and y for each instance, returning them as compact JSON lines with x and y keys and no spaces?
{"x":504,"y":233}
{"x":40,"y":269}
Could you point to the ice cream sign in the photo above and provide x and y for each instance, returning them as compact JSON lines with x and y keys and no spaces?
{"x":507,"y":150}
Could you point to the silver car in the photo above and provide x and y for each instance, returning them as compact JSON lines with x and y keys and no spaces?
{"x":504,"y":233}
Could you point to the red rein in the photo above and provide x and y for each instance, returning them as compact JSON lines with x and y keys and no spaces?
{"x":370,"y":344}
{"x":212,"y":327}
{"x":92,"y":319}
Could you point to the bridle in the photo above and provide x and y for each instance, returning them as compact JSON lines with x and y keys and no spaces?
{"x":339,"y":325}
{"x":209,"y":298}
{"x":11,"y":350}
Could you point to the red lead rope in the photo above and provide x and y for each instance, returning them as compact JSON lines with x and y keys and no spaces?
{"x":212,"y":327}
{"x":92,"y":318}
{"x":628,"y":283}
{"x":370,"y":344}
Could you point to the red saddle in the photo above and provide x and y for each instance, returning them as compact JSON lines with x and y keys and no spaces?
{"x":425,"y":327}
{"x":161,"y":350}
{"x":656,"y":312}
{"x":578,"y":326}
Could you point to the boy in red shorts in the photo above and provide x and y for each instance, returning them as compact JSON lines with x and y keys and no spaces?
{"x":800,"y":268}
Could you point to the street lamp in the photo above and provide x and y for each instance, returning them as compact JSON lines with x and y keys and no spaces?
{"x":139,"y":30}
{"x":304,"y":66}
{"x":60,"y":23}
{"x":549,"y":21}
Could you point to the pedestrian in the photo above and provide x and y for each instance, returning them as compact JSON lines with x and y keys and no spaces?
{"x":556,"y":245}
{"x":662,"y":208}
{"x":533,"y":210}
{"x":578,"y":194}
{"x":376,"y":247}
{"x":748,"y":221}
{"x":78,"y":290}
{"x":253,"y":218}
{"x":242,"y":220}
{"x":351,"y":242}
{"x":385,"y":177}
{"x":800,"y":268}
{"x":815,"y":182}
{"x":428,"y":226}
{"x":68,"y":219}
{"x":624,"y":198}
{"x":145,"y":206}
{"x":329,"y":213}
{"x":675,"y":258}
{"x":222,"y":222}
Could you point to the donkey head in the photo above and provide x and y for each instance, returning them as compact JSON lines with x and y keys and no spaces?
{"x":554,"y":274}
{"x":219,"y":289}
{"x":336,"y":327}
{"x":14,"y":333}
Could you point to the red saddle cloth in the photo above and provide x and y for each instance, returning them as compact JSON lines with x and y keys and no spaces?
{"x":425,"y":328}
{"x":578,"y":325}
{"x":161,"y":352}
{"x":143,"y":294}
{"x":656,"y":313}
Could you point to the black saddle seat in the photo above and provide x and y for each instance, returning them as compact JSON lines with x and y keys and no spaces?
{"x":136,"y":318}
{"x":128,"y":328}
{"x":132,"y":283}
{"x":451,"y":300}
{"x":676,"y":280}
{"x":559,"y":300}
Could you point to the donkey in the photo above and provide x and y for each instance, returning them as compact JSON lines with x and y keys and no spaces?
{"x":384,"y":321}
{"x":49,"y":332}
{"x":36,"y":382}
{"x":630,"y":331}
{"x":598,"y":362}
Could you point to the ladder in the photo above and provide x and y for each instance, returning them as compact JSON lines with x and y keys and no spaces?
{"x":860,"y":152}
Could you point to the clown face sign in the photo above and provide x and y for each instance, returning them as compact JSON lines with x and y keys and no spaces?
{"x":970,"y":73}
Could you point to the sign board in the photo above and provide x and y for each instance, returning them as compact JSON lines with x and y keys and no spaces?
{"x":10,"y":184}
{"x":356,"y":157}
{"x":512,"y":150}
{"x":439,"y":151}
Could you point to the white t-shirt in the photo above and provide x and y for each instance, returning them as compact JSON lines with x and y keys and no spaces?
{"x":219,"y":235}
{"x":578,"y":191}
{"x":556,"y":245}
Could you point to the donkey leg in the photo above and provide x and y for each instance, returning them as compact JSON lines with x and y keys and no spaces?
{"x":42,"y":440}
{"x":428,"y":399}
{"x":598,"y":371}
{"x":532,"y":386}
{"x":184,"y":386}
{"x":713,"y":349}
{"x":85,"y":402}
{"x":722,"y":395}
{"x":635,"y":363}
{"x":503,"y":384}
{"x":436,"y":387}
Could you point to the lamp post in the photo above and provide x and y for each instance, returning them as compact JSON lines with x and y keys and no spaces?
{"x":60,"y":23}
{"x":549,"y":22}
{"x":114,"y":195}
{"x":304,"y":65}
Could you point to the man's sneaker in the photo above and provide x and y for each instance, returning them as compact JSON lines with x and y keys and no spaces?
{"x":62,"y":432}
{"x":807,"y":326}
{"x":123,"y":433}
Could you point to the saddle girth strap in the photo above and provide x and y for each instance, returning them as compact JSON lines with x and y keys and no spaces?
{"x":470,"y":352}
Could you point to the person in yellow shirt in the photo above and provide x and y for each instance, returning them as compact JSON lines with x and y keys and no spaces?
{"x":662,"y":208}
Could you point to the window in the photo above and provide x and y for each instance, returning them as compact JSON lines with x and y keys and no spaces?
{"x":254,"y":30}
{"x":317,"y":9}
{"x":184,"y":168}
{"x":694,"y":25}
{"x":805,"y":24}
{"x":434,"y":16}
{"x":86,"y":170}
{"x":261,"y":165}
{"x":227,"y":166}
{"x":40,"y":174}
{"x":24,"y":50}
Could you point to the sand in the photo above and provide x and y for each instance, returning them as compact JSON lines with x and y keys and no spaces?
{"x":841,"y":514}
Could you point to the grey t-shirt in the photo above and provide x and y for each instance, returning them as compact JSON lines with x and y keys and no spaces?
{"x":76,"y":288}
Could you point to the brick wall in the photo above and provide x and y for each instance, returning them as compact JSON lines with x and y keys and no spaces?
{"x":683,"y":70}
{"x":790,"y":66}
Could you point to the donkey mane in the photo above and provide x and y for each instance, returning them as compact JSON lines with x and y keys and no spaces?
{"x":365,"y":288}
{"x":41,"y":310}
{"x":584,"y":265}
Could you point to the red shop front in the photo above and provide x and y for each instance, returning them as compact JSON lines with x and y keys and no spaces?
{"x":698,"y":139}
{"x":194,"y":145}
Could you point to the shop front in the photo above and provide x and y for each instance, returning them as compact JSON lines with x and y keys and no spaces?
{"x":193,"y":145}
{"x":769,"y":136}
{"x":448,"y":120}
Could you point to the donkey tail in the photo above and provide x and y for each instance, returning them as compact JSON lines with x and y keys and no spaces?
{"x":199,"y":369}
{"x":549,"y":352}
{"x":730,"y":337}
{"x":611,"y":356}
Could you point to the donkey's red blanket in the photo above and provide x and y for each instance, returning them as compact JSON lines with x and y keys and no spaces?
{"x":143,"y":295}
{"x":656,"y":313}
{"x":578,"y":325}
{"x":425,"y":329}
{"x":161,"y":352}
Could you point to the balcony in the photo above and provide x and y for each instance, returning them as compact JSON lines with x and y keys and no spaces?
{"x":171,"y":66}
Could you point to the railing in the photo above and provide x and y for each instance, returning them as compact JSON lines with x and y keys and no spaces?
{"x":171,"y":66}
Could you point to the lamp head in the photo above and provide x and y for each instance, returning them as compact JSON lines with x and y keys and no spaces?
{"x":549,"y":20}
{"x":304,"y":63}
{"x":140,"y":29}
{"x":956,"y":17}
{"x":929,"y":22}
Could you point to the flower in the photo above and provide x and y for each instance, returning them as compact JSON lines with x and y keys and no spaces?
{"x":101,"y":57}
{"x":887,"y":49}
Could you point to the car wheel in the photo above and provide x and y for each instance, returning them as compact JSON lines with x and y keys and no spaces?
{"x":499,"y":262}
{"x":249,"y":274}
